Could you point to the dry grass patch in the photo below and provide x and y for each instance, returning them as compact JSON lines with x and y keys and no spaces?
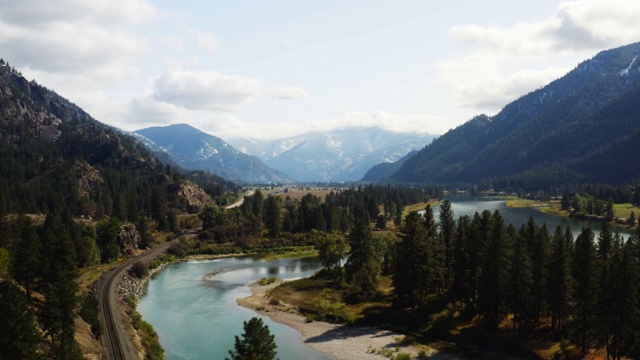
{"x":320,"y":298}
{"x":299,"y":193}
{"x":624,"y":210}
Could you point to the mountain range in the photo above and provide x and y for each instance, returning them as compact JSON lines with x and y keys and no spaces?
{"x":582,"y":127}
{"x":193,"y":149}
{"x":337,"y":155}
{"x":57,"y":158}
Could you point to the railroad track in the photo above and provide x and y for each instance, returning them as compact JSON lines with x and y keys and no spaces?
{"x":117,"y":343}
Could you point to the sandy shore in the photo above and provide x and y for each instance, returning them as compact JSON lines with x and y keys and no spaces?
{"x":342,"y":342}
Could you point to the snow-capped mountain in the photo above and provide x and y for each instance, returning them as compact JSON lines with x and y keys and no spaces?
{"x":339,"y":155}
{"x":196,"y":150}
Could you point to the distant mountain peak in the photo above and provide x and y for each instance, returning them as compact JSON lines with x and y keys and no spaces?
{"x":343,"y":154}
{"x":197,"y":150}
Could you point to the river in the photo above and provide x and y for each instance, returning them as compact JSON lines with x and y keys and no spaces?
{"x":198,"y":319}
{"x":465,"y":205}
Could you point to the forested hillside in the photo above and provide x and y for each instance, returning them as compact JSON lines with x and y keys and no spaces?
{"x":57,"y":158}
{"x":59,"y":165}
{"x":580,"y":128}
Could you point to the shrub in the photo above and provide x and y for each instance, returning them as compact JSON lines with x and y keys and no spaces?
{"x":178,"y":249}
{"x":140,"y":269}
{"x":89,"y":312}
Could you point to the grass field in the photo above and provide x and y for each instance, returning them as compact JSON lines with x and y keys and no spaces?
{"x":624,"y":210}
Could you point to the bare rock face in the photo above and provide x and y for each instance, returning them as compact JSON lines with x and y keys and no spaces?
{"x":194,"y":195}
{"x":89,"y":182}
{"x":129,"y":240}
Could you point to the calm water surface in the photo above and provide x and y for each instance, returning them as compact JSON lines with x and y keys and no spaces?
{"x":465,"y":205}
{"x":198,"y":319}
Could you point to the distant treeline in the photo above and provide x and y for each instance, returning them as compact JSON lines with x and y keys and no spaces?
{"x":275,"y":215}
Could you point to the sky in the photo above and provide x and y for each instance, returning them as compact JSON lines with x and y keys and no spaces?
{"x":276,"y":68}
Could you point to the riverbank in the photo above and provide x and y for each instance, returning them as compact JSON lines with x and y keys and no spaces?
{"x":342,"y":342}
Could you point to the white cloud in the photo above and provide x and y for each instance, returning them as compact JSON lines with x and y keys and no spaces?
{"x":417,"y":123}
{"x":38,"y":13}
{"x":65,"y":48}
{"x":502,"y":63}
{"x":146,"y":111}
{"x":288,"y":93}
{"x":234,"y":128}
{"x":202,"y":90}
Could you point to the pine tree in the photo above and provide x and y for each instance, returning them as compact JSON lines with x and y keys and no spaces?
{"x":273,"y":215}
{"x":363,"y":265}
{"x":624,"y":295}
{"x":462,"y":271}
{"x":409,"y":256}
{"x":559,"y":278}
{"x":59,"y":289}
{"x":520,"y":282}
{"x":603,"y":297}
{"x":584,"y":292}
{"x":257,"y":342}
{"x":107,"y":231}
{"x":447,"y":232}
{"x":493,"y":282}
{"x":19,"y":337}
{"x":26,"y":253}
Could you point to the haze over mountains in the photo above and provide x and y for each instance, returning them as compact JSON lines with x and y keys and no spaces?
{"x":583,"y":127}
{"x":196,"y":150}
{"x":338,"y":155}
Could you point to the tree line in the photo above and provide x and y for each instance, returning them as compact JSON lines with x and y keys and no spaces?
{"x":276,"y":217}
{"x":584,"y":290}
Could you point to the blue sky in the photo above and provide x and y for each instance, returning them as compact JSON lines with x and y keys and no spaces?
{"x":270,"y":68}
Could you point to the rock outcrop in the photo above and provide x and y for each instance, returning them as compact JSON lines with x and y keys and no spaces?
{"x":129,"y":240}
{"x":194,"y":195}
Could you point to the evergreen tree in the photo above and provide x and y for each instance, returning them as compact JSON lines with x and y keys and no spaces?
{"x":603,"y":295}
{"x":172,"y":220}
{"x":559,"y":278}
{"x":624,"y":294}
{"x":19,"y":337}
{"x":59,"y":289}
{"x":212,"y":216}
{"x":363,"y":265}
{"x":159,"y":207}
{"x":493,"y":286}
{"x":107,"y":231}
{"x":520,"y":281}
{"x":257,"y":205}
{"x":409,"y":255}
{"x":145,"y":235}
{"x":26,"y":253}
{"x":462,"y":270}
{"x":256,"y":343}
{"x":584,"y":292}
{"x":447,"y":232}
{"x":273,"y":215}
